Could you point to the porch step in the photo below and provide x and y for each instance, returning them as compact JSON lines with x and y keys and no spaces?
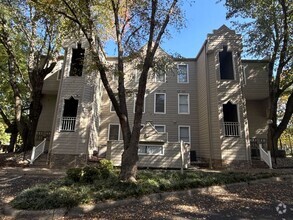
{"x":41,"y":162}
{"x":199,"y":164}
{"x":256,"y":163}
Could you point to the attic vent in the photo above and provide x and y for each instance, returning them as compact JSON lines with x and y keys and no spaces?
{"x":226,"y":64}
{"x":77,"y":61}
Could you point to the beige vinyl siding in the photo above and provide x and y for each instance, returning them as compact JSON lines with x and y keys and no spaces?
{"x":171,"y":119}
{"x":202,"y":105}
{"x":256,"y":79}
{"x":81,"y":89}
{"x":47,"y":115}
{"x":170,"y":159}
{"x":214,"y":96}
{"x":51,"y":83}
{"x":225,"y":148}
{"x":256,"y":111}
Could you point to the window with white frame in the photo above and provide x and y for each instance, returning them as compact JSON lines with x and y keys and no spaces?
{"x":160,"y":76}
{"x":160,"y":128}
{"x":183,"y":103}
{"x":144,"y":149}
{"x":160,"y":103}
{"x":137,"y":75}
{"x":112,"y":107}
{"x":182,"y":76}
{"x":184,"y":133}
{"x":134,"y":100}
{"x":114,"y":132}
{"x":115,"y":74}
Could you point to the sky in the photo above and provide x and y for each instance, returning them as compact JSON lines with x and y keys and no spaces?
{"x":202,"y":17}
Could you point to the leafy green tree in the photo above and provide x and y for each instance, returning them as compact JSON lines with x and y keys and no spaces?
{"x":268,"y":29}
{"x":30,"y":41}
{"x":133,"y":25}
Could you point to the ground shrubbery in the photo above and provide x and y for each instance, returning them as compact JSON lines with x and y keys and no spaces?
{"x":93,"y":184}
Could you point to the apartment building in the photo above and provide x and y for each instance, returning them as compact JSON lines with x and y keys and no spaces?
{"x":216,"y":103}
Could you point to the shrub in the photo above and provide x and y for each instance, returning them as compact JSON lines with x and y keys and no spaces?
{"x":74,"y":174}
{"x":106,"y":168}
{"x":90,"y":174}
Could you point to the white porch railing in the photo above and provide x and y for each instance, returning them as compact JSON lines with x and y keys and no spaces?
{"x":68,"y":124}
{"x":37,"y":151}
{"x":265,"y":156}
{"x":231,"y":129}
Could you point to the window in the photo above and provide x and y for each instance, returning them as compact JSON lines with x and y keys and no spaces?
{"x":69,"y":114}
{"x":77,"y":61}
{"x":143,"y":108}
{"x":137,"y":75}
{"x":226,"y":64}
{"x":184,"y":133}
{"x":114,"y":132}
{"x":160,"y":103}
{"x":111,"y":107}
{"x":182,"y":73}
{"x":150,"y":150}
{"x":183,"y":103}
{"x":115,"y":74}
{"x":231,"y":125}
{"x":160,"y":128}
{"x":160,"y":76}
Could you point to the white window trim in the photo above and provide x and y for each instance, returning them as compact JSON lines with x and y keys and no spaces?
{"x":162,"y":126}
{"x":134,"y":100}
{"x":119,"y":131}
{"x":59,"y":75}
{"x":188,"y":99}
{"x":136,"y":78}
{"x":184,"y":126}
{"x":160,"y":81}
{"x":165,"y":102}
{"x":152,"y":145}
{"x":187,"y":68}
{"x":114,"y":76}
{"x":111,"y":107}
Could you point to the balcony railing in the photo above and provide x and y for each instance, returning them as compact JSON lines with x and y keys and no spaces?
{"x":231,"y":129}
{"x":68,"y":124}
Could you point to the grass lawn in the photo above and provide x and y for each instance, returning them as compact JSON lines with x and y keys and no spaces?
{"x":93,"y":184}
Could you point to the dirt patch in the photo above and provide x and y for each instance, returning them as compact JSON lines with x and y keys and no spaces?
{"x":14,"y":160}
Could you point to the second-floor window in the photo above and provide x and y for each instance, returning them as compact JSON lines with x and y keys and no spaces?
{"x":183,"y":103}
{"x":160,"y":103}
{"x":77,"y":61}
{"x":182,"y":76}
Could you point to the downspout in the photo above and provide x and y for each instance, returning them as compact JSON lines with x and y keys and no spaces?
{"x":208,"y":108}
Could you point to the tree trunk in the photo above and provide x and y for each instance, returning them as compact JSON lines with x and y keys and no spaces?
{"x":129,"y":163}
{"x":12,"y":142}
